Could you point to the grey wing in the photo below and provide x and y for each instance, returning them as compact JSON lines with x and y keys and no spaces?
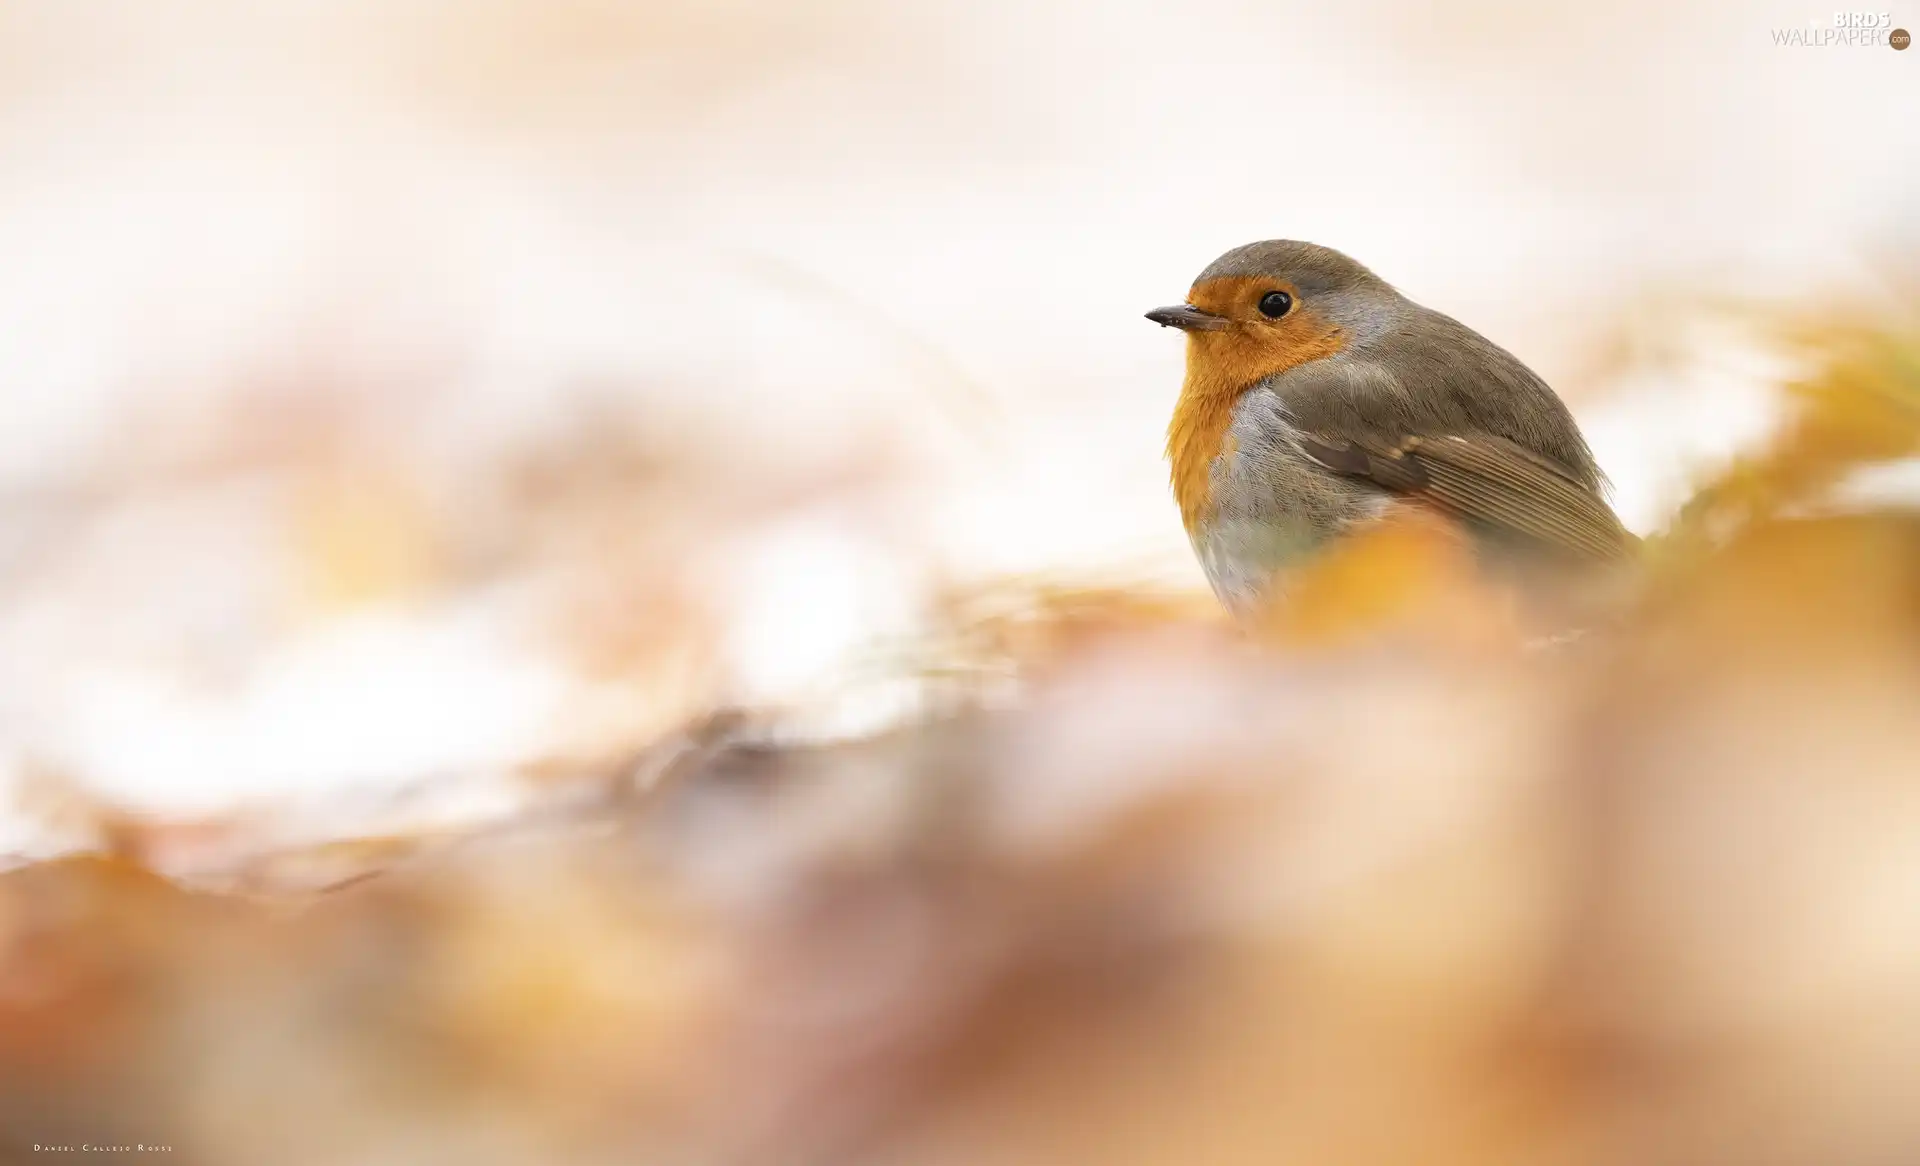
{"x":1356,"y":421}
{"x":1489,"y":482}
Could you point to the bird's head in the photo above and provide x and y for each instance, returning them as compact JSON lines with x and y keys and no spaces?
{"x":1267,"y":307}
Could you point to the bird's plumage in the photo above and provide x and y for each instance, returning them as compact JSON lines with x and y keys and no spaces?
{"x":1355,"y":400}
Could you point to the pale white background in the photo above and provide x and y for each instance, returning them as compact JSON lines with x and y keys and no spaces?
{"x":800,"y":237}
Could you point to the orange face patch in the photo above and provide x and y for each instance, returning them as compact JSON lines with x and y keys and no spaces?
{"x":1224,"y":363}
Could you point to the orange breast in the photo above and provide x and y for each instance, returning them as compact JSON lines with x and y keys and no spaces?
{"x":1220,"y":367}
{"x":1197,"y":434}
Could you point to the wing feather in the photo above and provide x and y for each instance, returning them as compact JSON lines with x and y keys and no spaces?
{"x":1489,"y":482}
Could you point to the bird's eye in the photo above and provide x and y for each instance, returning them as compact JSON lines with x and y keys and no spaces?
{"x":1275,"y":304}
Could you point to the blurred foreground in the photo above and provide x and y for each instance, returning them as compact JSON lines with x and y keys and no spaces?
{"x":1126,"y":888}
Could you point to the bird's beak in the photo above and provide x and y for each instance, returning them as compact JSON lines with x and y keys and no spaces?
{"x":1187,"y":318}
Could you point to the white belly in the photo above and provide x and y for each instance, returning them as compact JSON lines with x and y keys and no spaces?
{"x":1271,"y":508}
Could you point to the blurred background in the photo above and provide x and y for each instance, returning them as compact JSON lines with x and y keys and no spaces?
{"x":423,"y":419}
{"x":398,"y":390}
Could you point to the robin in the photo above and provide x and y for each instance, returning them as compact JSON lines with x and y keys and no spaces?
{"x":1317,"y":397}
